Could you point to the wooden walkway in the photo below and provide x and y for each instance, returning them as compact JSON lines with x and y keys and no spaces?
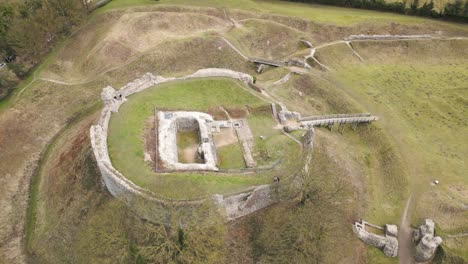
{"x":268,"y":62}
{"x":328,"y":120}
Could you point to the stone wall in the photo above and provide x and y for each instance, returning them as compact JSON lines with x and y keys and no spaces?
{"x":242,"y":204}
{"x":170,"y":123}
{"x":388,"y":243}
{"x":387,"y":37}
{"x":150,"y":205}
{"x":426,"y":240}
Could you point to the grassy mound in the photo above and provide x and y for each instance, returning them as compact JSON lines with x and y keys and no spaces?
{"x":126,"y":144}
{"x":336,"y":56}
{"x":115,"y":39}
{"x":421,"y":99}
{"x":183,"y":57}
{"x":265,"y":39}
{"x":395,"y":82}
{"x":413,"y":51}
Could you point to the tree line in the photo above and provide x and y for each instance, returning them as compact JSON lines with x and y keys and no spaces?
{"x":453,"y":10}
{"x":29,"y":29}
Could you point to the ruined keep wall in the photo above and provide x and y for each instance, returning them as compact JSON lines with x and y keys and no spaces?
{"x":169,"y":125}
{"x":148,"y":204}
{"x":186,"y":124}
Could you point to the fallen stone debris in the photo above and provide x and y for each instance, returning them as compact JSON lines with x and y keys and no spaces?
{"x":387,"y":243}
{"x":426,"y":242}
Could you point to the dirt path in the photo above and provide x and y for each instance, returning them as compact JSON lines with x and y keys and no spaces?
{"x":225,"y":137}
{"x":458,"y":235}
{"x":354,"y":51}
{"x":235,"y":49}
{"x":405,"y":243}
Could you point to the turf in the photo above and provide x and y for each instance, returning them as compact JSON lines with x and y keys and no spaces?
{"x":394,"y":86}
{"x":186,"y":140}
{"x":126,"y":129}
{"x":231,"y":157}
{"x":317,"y":13}
{"x":424,"y":103}
{"x":266,"y":150}
{"x":265,"y":39}
{"x":422,"y":106}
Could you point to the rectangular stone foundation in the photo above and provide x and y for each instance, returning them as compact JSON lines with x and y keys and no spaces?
{"x":169,"y":123}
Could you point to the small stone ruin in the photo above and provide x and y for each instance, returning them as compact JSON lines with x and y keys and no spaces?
{"x":387,"y":243}
{"x":426,"y":242}
{"x":172,"y":122}
{"x":285,"y":115}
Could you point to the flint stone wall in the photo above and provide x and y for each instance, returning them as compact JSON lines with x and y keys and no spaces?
{"x":170,"y":123}
{"x":427,"y":243}
{"x":145,"y":203}
{"x":387,"y":37}
{"x":388,"y":243}
{"x":242,"y":204}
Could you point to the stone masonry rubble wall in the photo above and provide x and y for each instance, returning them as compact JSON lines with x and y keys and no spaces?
{"x":170,"y":123}
{"x":388,"y":243}
{"x":148,"y":204}
{"x":427,"y":243}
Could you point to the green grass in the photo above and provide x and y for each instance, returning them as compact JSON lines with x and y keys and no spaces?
{"x":266,"y":150}
{"x":186,"y":140}
{"x":375,"y":255}
{"x":265,"y":39}
{"x":297,"y":134}
{"x":317,"y":13}
{"x":422,"y":107}
{"x":126,"y":130}
{"x":24,"y":84}
{"x":231,"y":157}
{"x":34,"y":192}
{"x":426,"y":107}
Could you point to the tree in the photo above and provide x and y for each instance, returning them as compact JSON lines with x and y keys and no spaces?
{"x":201,"y":240}
{"x":465,"y":10}
{"x":305,"y":230}
{"x":6,"y":15}
{"x":454,"y":9}
{"x":32,"y":25}
{"x":426,"y":9}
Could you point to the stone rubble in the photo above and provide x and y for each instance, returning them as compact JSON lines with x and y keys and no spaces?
{"x":426,"y":242}
{"x":172,"y":122}
{"x":388,"y":243}
{"x":150,"y":205}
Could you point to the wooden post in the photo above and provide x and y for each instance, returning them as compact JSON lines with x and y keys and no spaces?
{"x":341,"y":128}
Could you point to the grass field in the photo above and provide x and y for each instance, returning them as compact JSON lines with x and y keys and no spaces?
{"x":126,"y":142}
{"x":264,"y":39}
{"x":230,"y":157}
{"x":317,"y":13}
{"x":187,"y":143}
{"x":421,"y":100}
{"x":418,"y":89}
{"x":367,"y":154}
{"x":425,"y":105}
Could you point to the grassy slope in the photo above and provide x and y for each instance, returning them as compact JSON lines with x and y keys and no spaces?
{"x":377,"y":168}
{"x":318,"y":13}
{"x":36,"y":104}
{"x":265,"y":39}
{"x":126,"y":144}
{"x":421,"y":99}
